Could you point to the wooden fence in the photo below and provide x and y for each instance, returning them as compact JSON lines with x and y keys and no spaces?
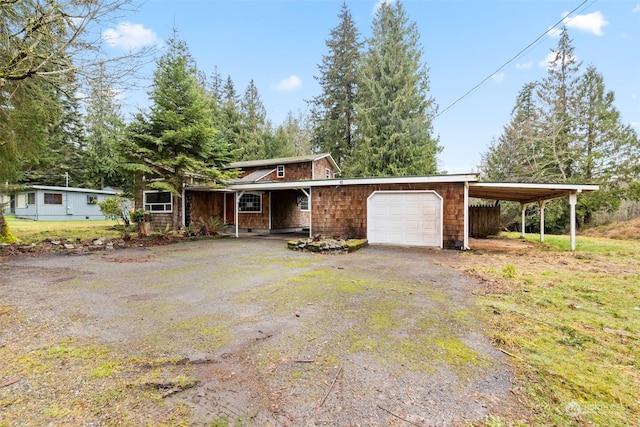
{"x":484,"y":221}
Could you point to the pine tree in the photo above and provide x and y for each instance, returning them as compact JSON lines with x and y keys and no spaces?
{"x":254,"y":127}
{"x":104,"y":133}
{"x":333,"y":111}
{"x":393,"y":111}
{"x":557,"y":107}
{"x":176,"y":137}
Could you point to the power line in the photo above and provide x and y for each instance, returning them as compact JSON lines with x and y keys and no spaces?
{"x":517,"y":55}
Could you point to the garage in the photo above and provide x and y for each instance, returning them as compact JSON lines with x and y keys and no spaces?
{"x":411,"y":218}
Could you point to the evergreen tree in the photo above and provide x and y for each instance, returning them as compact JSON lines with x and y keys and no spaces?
{"x":176,"y":137}
{"x":567,"y":130}
{"x":333,"y":111}
{"x":253,"y":124}
{"x":394,"y":113}
{"x":230,"y":117}
{"x":104,"y":133}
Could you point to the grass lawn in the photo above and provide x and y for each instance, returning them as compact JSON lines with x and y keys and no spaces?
{"x":30,"y":231}
{"x":571,"y":323}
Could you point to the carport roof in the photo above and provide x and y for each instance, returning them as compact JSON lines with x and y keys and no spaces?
{"x":525,"y":192}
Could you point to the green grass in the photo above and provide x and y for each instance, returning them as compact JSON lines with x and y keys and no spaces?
{"x":29,"y":231}
{"x":572,"y":321}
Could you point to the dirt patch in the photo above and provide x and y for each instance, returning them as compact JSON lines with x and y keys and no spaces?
{"x":248,"y":333}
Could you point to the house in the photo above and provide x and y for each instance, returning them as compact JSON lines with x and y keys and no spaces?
{"x":307,"y":194}
{"x":42,"y":202}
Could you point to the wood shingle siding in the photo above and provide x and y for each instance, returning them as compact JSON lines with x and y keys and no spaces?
{"x":342,"y":210}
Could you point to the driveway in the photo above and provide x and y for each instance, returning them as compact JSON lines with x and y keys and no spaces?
{"x":246,"y":332}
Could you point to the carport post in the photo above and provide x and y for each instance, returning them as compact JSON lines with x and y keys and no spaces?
{"x":542,"y":204}
{"x":523,"y":207}
{"x":235,"y":213}
{"x":573,"y":198}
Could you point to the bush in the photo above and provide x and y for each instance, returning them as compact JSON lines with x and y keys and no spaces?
{"x":116,"y":208}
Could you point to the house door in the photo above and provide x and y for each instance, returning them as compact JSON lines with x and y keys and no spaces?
{"x":411,"y":218}
{"x":229,"y":208}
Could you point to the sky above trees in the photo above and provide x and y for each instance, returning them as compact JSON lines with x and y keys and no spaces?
{"x":279,"y":45}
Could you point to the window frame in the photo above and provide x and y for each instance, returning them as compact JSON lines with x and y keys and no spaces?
{"x":31,"y":198}
{"x":259,"y":200}
{"x":148,"y":206}
{"x":305,"y":200}
{"x":92,"y":199}
{"x":280,"y":171}
{"x":50,"y":194}
{"x":327,"y":173}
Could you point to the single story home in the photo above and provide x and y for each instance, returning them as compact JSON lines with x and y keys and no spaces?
{"x":306,"y":194}
{"x":42,"y":202}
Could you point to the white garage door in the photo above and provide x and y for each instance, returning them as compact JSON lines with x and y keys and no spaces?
{"x":405,"y":218}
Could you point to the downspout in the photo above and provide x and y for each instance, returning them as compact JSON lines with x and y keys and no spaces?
{"x":465,"y":244}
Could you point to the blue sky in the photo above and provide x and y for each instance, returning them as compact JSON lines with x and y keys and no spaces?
{"x":278,"y":44}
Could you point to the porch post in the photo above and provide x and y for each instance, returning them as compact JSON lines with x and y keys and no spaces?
{"x":542,"y":204}
{"x":310,"y":210}
{"x":235,"y":213}
{"x":270,"y":223}
{"x":465,"y":244}
{"x":523,"y":207}
{"x":573,"y":198}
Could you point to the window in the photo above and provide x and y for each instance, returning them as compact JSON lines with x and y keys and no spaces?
{"x":280,"y":171}
{"x":21,"y":201}
{"x":157,"y":201}
{"x":31,"y":198}
{"x":327,"y":173}
{"x":251,"y":202}
{"x":304,"y":203}
{"x":92,"y":199}
{"x":52,"y":198}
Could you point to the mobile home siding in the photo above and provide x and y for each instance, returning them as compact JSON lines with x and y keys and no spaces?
{"x":74,"y":204}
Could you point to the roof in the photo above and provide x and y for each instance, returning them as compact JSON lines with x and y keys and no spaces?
{"x":72,"y":189}
{"x":289,"y":185}
{"x":283,"y":161}
{"x":255,"y":175}
{"x":525,"y":192}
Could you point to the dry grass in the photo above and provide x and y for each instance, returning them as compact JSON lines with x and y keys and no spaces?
{"x":617,"y":230}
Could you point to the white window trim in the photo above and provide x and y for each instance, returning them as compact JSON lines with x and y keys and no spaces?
{"x":327,"y":173}
{"x":250,"y":212}
{"x":280,"y":171}
{"x":145,"y":204}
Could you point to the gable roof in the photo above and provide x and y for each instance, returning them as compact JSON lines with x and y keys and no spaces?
{"x":283,"y":161}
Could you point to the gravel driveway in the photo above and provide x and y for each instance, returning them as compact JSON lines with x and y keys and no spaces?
{"x":255,"y":335}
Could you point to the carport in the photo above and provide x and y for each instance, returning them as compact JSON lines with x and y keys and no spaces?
{"x":525,"y":193}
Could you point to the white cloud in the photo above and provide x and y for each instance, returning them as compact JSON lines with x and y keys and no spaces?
{"x":550,"y":62}
{"x":636,"y":9}
{"x":129,"y":36}
{"x":498,"y":77}
{"x":590,"y":23}
{"x":524,"y":65}
{"x":289,"y":83}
